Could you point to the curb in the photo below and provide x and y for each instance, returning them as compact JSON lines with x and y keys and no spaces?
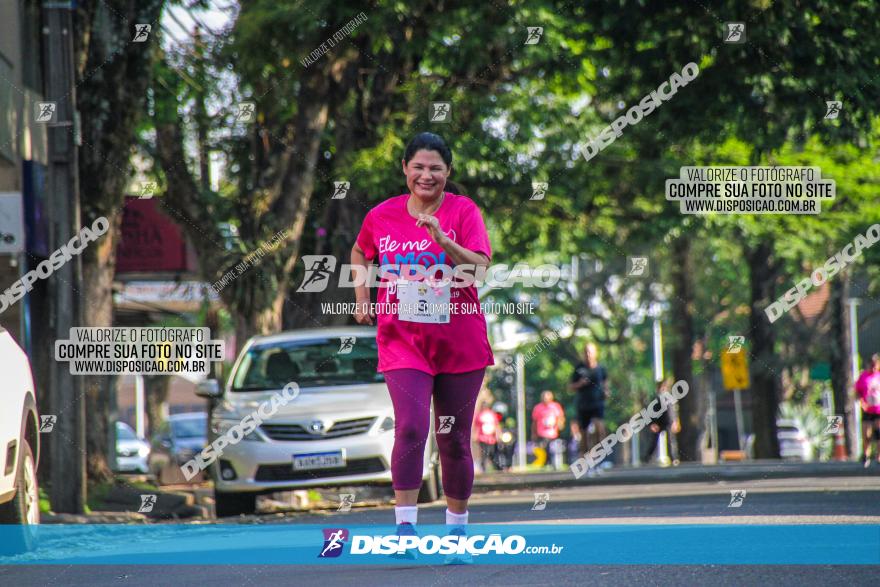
{"x":656,"y":475}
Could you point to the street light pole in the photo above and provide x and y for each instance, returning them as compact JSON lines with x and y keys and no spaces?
{"x":854,"y":361}
{"x":67,"y":443}
{"x":520,"y":411}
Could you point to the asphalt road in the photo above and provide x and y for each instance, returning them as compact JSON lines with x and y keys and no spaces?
{"x":782,"y":501}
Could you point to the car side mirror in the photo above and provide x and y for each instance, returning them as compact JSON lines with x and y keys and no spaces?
{"x":210,"y":388}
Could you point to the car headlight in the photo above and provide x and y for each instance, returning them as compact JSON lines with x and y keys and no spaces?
{"x":222,"y":427}
{"x":387,"y":424}
{"x":144,"y":451}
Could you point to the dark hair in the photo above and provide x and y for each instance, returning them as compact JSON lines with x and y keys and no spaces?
{"x":429,"y":141}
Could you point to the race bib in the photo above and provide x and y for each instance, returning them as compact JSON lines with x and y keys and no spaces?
{"x":420,"y":301}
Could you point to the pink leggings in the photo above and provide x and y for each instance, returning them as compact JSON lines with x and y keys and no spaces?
{"x":454,"y":395}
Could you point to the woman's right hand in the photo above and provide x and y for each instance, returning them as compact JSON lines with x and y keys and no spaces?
{"x":362,"y":312}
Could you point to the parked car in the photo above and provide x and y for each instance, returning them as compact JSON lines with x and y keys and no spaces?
{"x":132,"y":452}
{"x":177,"y":441}
{"x":20,"y":443}
{"x":793,"y":441}
{"x":339,"y":430}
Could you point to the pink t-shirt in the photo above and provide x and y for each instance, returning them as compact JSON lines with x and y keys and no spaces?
{"x":487,"y":426}
{"x":546,"y":418}
{"x":389,"y":236}
{"x":868,"y":390}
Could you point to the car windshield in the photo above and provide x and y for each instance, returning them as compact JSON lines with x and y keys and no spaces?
{"x":189,"y":427}
{"x":123,"y":432}
{"x":310,"y":363}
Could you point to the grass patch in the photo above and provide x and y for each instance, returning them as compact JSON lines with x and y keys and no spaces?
{"x":97,"y":492}
{"x":45,"y":505}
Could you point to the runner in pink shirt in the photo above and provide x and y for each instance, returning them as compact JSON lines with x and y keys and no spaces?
{"x":868,"y":392}
{"x":548,"y":418}
{"x":426,"y":352}
{"x":488,"y":430}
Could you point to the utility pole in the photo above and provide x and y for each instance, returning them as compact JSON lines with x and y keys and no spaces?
{"x":67,"y":441}
{"x":520,"y":411}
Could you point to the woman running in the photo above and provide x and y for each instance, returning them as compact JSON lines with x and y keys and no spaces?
{"x":428,"y":347}
{"x":868,"y":392}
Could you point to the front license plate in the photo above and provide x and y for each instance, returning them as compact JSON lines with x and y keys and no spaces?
{"x":319,"y":460}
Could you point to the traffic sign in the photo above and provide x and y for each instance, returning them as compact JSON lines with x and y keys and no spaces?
{"x":735,"y":370}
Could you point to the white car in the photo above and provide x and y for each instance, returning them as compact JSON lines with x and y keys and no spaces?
{"x":793,"y":441}
{"x":132,"y":452}
{"x":339,"y":430}
{"x":19,"y":444}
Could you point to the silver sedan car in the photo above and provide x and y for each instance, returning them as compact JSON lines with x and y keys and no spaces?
{"x":338,"y":430}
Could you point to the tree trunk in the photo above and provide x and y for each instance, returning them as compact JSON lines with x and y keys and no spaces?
{"x":156,"y":389}
{"x":692,"y":407}
{"x":343,"y":221}
{"x":113,"y":75}
{"x":840,"y":357}
{"x":763,"y":272}
{"x":99,"y":263}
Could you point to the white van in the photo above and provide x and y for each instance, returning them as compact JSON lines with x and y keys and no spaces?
{"x":19,"y":443}
{"x":339,"y":429}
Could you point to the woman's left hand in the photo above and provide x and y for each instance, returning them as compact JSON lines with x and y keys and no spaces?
{"x":433,"y":227}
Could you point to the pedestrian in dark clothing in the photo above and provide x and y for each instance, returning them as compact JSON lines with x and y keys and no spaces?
{"x":666,"y":421}
{"x":590,"y":382}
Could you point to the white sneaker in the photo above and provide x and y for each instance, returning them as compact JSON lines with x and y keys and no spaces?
{"x":455,"y":558}
{"x":406,"y":529}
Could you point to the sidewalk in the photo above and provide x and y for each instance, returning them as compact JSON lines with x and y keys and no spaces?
{"x":686,"y":472}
